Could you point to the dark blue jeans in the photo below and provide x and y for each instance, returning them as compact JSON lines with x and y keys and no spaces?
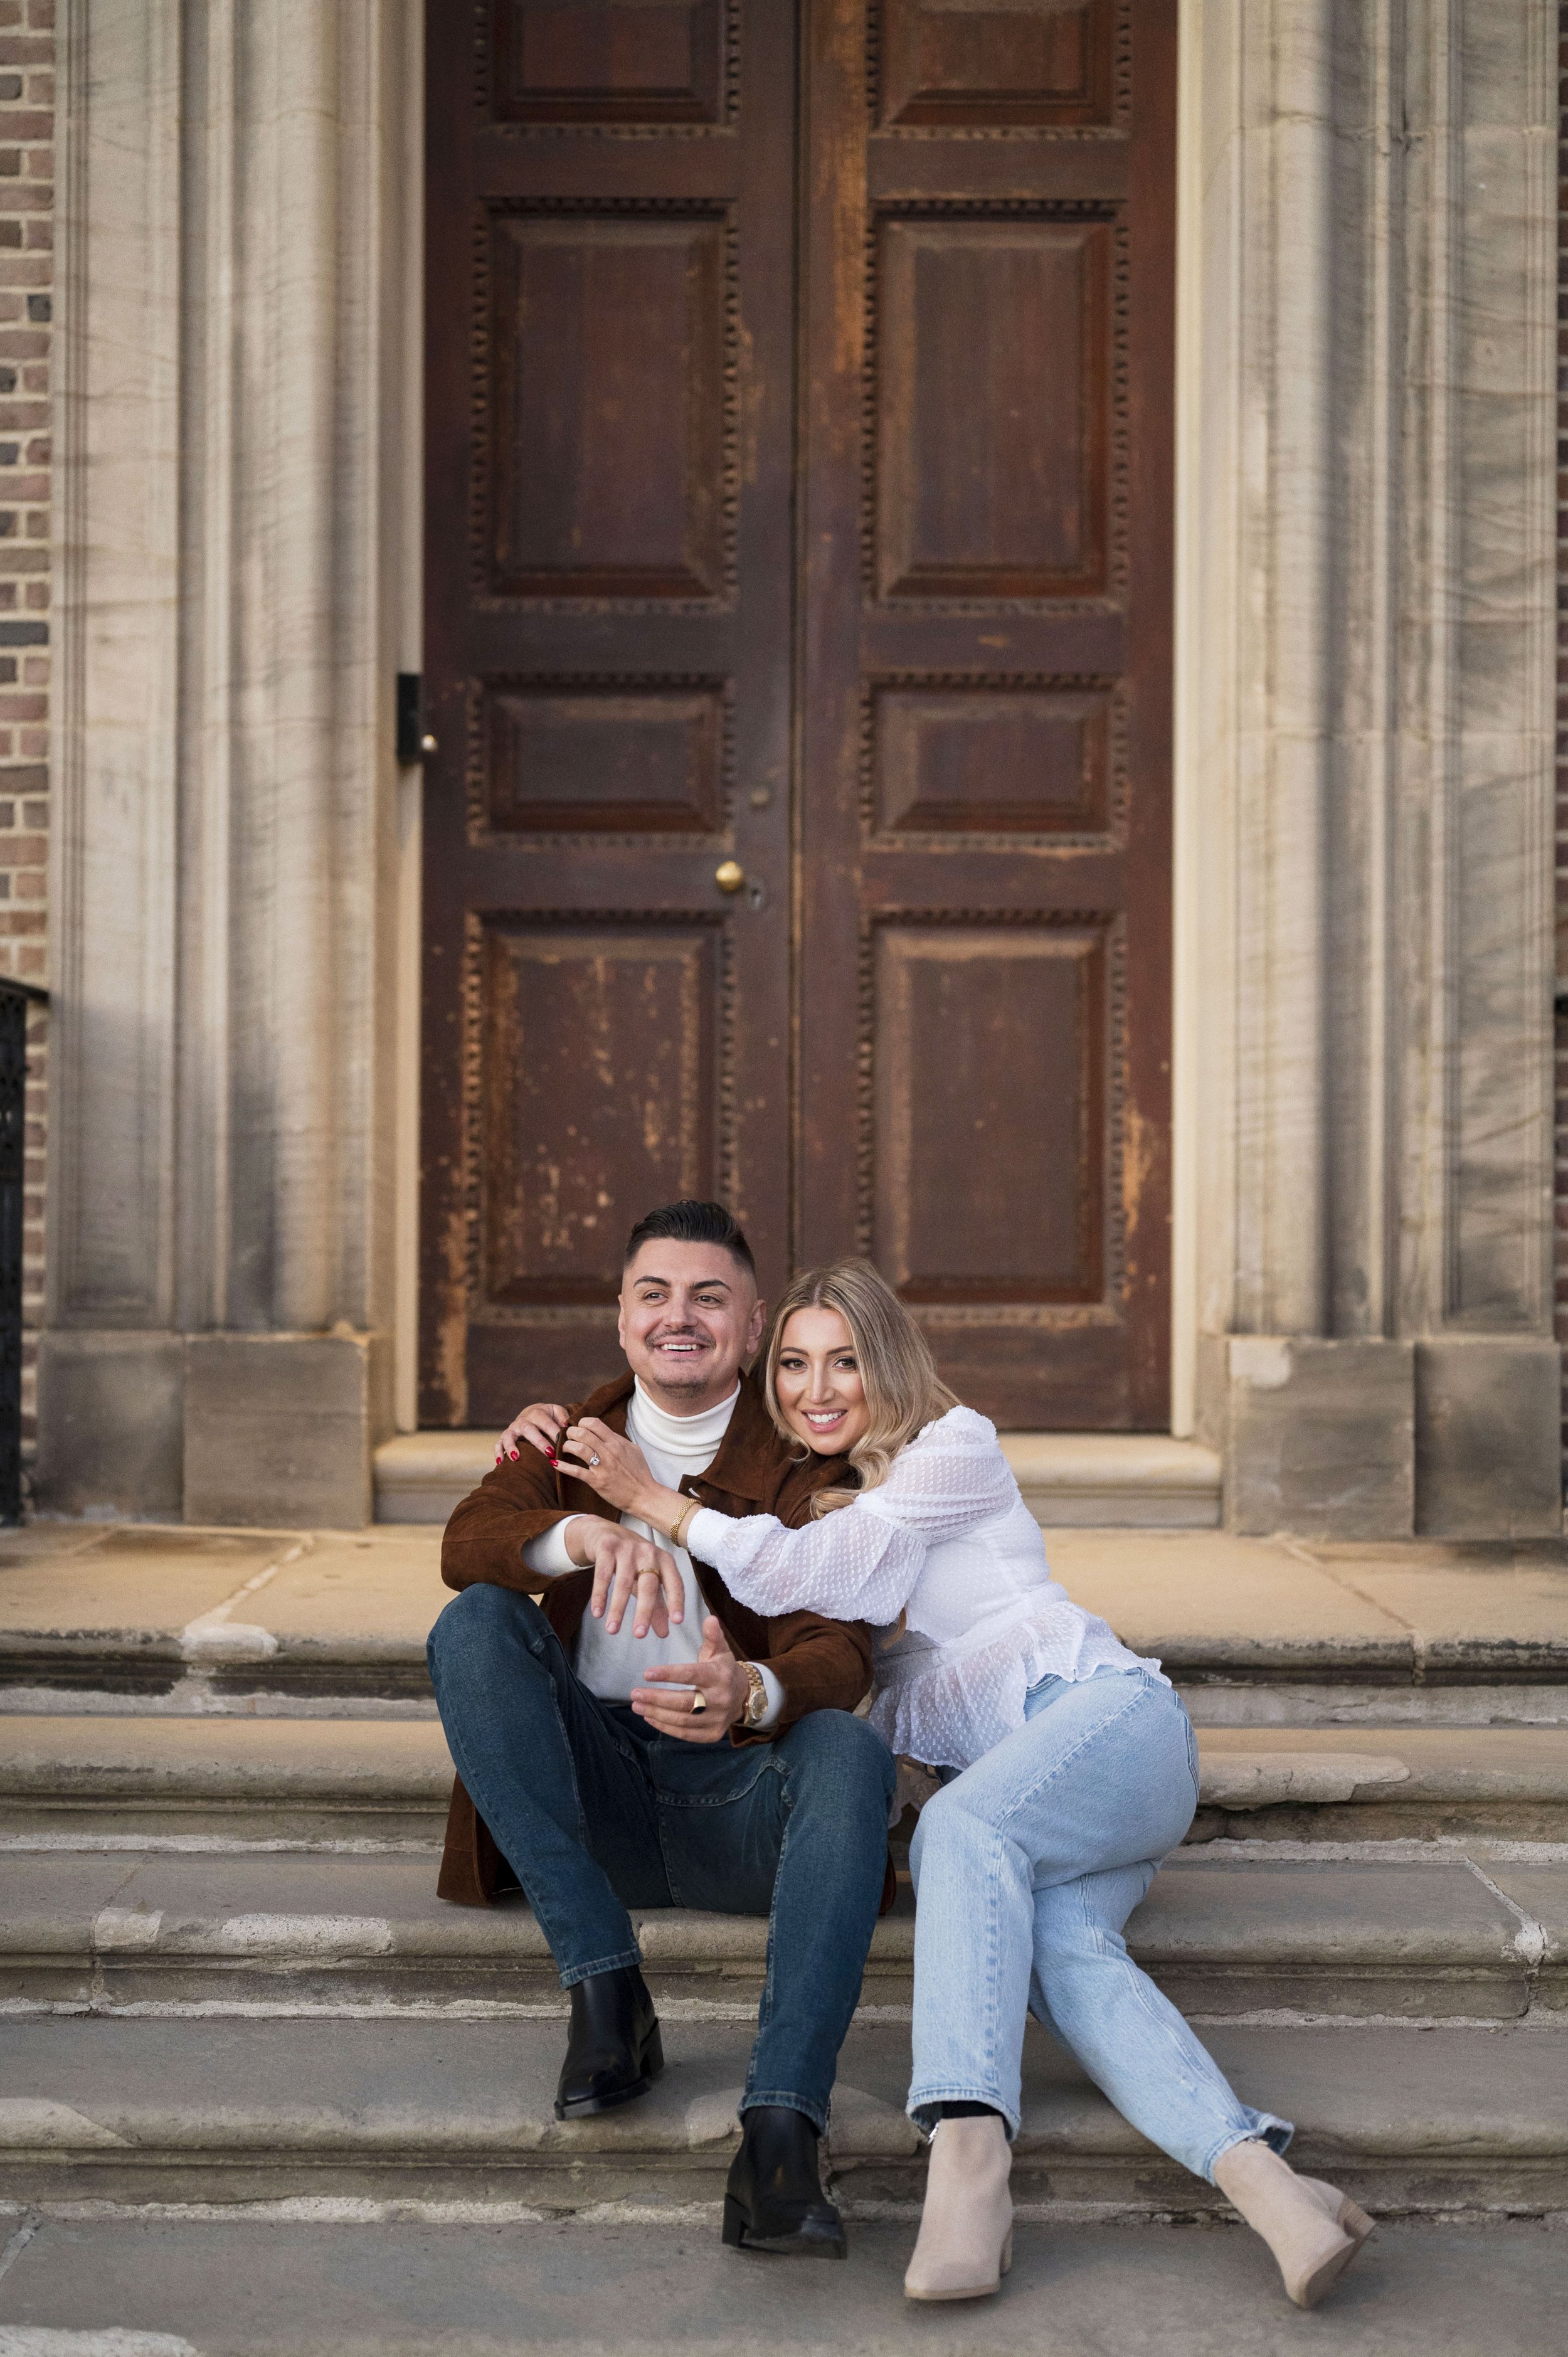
{"x":596,"y":1814}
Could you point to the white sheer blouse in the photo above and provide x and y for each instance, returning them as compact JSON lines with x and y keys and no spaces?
{"x":947,"y":1543}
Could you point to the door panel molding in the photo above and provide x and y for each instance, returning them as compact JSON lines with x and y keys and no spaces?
{"x":609,"y":595}
{"x":987,"y":490}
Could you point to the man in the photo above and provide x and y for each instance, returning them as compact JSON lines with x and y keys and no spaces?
{"x":643,"y":1740}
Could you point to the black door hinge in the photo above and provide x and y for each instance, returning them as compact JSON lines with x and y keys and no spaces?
{"x":413,"y":743}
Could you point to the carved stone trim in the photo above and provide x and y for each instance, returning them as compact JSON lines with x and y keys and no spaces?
{"x":114,"y":848}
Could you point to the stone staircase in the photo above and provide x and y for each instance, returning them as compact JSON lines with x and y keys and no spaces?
{"x":1143,"y":1481}
{"x":232,"y":1997}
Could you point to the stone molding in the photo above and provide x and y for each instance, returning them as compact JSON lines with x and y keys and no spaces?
{"x":233,"y":412}
{"x":112,"y":886}
{"x":1365,"y":699}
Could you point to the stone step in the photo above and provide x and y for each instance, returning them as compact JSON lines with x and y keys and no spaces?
{"x":102,"y":1781}
{"x":201,"y":1620}
{"x":1225,"y":1936}
{"x":255,"y":2110}
{"x":1371,"y":1783}
{"x":125,"y":1619}
{"x":295,"y":1783}
{"x":293,"y":2282}
{"x":1131,"y":1479}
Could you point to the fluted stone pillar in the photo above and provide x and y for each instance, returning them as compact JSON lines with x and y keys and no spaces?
{"x":240,"y":236}
{"x":1365,"y":616}
{"x":1367,"y":603}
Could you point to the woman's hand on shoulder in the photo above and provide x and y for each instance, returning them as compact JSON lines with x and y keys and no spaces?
{"x":540,"y":1427}
{"x":613,"y":1465}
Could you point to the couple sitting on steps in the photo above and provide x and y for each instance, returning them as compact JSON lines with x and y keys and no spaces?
{"x":726,"y":1563}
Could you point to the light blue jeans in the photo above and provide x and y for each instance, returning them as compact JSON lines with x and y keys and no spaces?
{"x":1026,"y":1868}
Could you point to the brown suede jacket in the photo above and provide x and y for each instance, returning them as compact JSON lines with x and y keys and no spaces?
{"x":820,"y":1665}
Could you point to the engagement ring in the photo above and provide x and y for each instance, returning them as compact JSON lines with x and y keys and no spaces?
{"x":592,"y":1461}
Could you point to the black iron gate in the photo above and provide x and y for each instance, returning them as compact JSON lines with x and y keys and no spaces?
{"x":15,"y":998}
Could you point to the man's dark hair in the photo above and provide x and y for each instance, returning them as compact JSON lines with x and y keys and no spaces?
{"x":691,"y":1224}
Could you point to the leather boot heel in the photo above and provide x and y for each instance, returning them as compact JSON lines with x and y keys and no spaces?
{"x":773,"y":2200}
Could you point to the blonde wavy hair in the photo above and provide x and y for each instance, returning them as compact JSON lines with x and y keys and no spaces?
{"x":903,"y":1389}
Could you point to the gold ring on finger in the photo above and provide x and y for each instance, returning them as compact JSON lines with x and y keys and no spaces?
{"x":699,"y":1703}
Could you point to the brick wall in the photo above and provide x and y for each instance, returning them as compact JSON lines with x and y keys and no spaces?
{"x":26,"y":278}
{"x":1562,"y":860}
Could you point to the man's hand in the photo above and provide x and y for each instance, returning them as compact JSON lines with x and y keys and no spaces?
{"x":718,"y":1678}
{"x":541,"y":1426}
{"x":626,"y":1565}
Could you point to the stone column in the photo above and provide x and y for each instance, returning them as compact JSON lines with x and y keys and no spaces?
{"x":236,"y":276}
{"x":1366,"y":701}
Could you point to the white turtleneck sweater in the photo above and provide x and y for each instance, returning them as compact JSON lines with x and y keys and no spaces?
{"x":674,"y":1445}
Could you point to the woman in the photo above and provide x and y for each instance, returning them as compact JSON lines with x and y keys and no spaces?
{"x":1067,"y":1766}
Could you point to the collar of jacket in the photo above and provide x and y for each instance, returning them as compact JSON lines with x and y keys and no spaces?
{"x":753,"y":1454}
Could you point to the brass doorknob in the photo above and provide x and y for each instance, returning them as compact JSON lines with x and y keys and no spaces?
{"x":729,"y":875}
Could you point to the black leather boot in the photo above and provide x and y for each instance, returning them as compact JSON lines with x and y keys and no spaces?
{"x":614,"y":2052}
{"x":774,"y":2200}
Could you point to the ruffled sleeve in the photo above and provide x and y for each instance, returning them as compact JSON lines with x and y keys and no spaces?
{"x":863,"y":1562}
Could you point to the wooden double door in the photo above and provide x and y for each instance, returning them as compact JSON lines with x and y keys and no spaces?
{"x":798,"y":602}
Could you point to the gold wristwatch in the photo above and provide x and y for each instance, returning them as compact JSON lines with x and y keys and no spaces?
{"x":756,"y":1700}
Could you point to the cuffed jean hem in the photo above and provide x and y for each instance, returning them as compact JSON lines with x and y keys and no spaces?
{"x":783,"y":2099}
{"x":573,"y":1974}
{"x":922,"y":2106}
{"x":1275,"y":2133}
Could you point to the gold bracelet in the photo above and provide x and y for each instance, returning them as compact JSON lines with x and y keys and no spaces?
{"x":682,"y":1519}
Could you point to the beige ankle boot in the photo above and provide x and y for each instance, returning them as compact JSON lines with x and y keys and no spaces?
{"x":965,"y":2245}
{"x":1313,"y":2229}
